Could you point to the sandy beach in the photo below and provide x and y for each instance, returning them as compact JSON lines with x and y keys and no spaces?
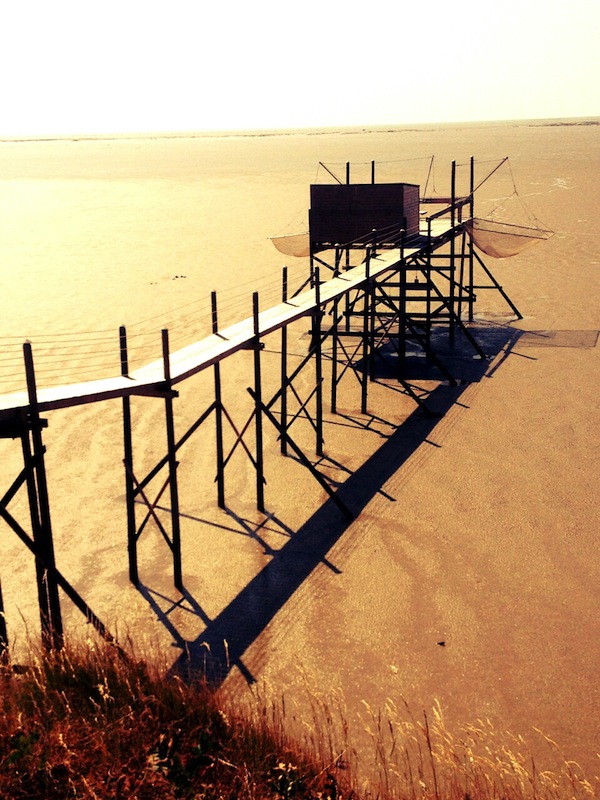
{"x":477,"y":530}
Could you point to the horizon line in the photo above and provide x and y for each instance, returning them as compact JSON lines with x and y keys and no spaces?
{"x":288,"y":131}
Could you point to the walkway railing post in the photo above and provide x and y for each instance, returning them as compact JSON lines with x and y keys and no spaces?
{"x":128,"y":462}
{"x":39,"y":504}
{"x":123,"y":351}
{"x":260,"y":489}
{"x":173,"y":464}
{"x":428,"y":285}
{"x":218,"y":412}
{"x":471,"y":300}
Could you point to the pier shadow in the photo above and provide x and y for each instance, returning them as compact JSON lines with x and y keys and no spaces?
{"x":456,"y":354}
{"x":226,"y":638}
{"x":221,"y":646}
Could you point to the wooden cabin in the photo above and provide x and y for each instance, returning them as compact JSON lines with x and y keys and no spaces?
{"x":353,"y":215}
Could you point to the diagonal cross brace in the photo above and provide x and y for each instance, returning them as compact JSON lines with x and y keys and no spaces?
{"x":304,"y":460}
{"x":64,"y":584}
{"x":165,"y":460}
{"x":151,"y":507}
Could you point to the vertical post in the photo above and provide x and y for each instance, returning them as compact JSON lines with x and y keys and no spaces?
{"x":452,"y":255}
{"x":334,"y":355}
{"x":347,"y":308}
{"x":365,"y":335}
{"x":123,"y":351}
{"x":260,"y":490}
{"x":461,"y":277}
{"x":427,"y":285}
{"x":284,"y":298}
{"x":370,"y":298}
{"x":172,"y":461}
{"x":347,"y":172}
{"x":453,"y":194}
{"x":3,"y":631}
{"x":39,"y":503}
{"x":402,"y":311}
{"x":338,"y":258}
{"x":318,"y":350}
{"x":471,"y":259}
{"x":372,"y":172}
{"x":218,"y":411}
{"x":128,"y":462}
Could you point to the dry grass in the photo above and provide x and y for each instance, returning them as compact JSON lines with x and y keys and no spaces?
{"x":90,"y":723}
{"x":392,"y":753}
{"x":419,"y":757}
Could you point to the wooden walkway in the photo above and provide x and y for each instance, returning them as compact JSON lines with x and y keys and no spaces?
{"x":196,"y":357}
{"x":150,"y":379}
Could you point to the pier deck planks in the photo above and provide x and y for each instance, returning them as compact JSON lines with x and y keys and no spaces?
{"x":150,"y":379}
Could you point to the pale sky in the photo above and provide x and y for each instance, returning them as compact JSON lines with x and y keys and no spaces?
{"x":85,"y":66}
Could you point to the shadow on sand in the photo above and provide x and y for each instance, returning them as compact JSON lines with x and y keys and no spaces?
{"x":226,"y":638}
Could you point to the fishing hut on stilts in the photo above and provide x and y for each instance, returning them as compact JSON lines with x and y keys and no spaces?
{"x":389,"y":270}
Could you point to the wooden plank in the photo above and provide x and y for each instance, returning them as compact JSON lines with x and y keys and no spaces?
{"x":75,"y":394}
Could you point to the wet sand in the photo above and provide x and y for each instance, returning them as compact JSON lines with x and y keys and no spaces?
{"x":477,"y":530}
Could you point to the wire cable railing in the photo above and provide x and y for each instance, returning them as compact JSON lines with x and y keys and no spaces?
{"x":72,"y":357}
